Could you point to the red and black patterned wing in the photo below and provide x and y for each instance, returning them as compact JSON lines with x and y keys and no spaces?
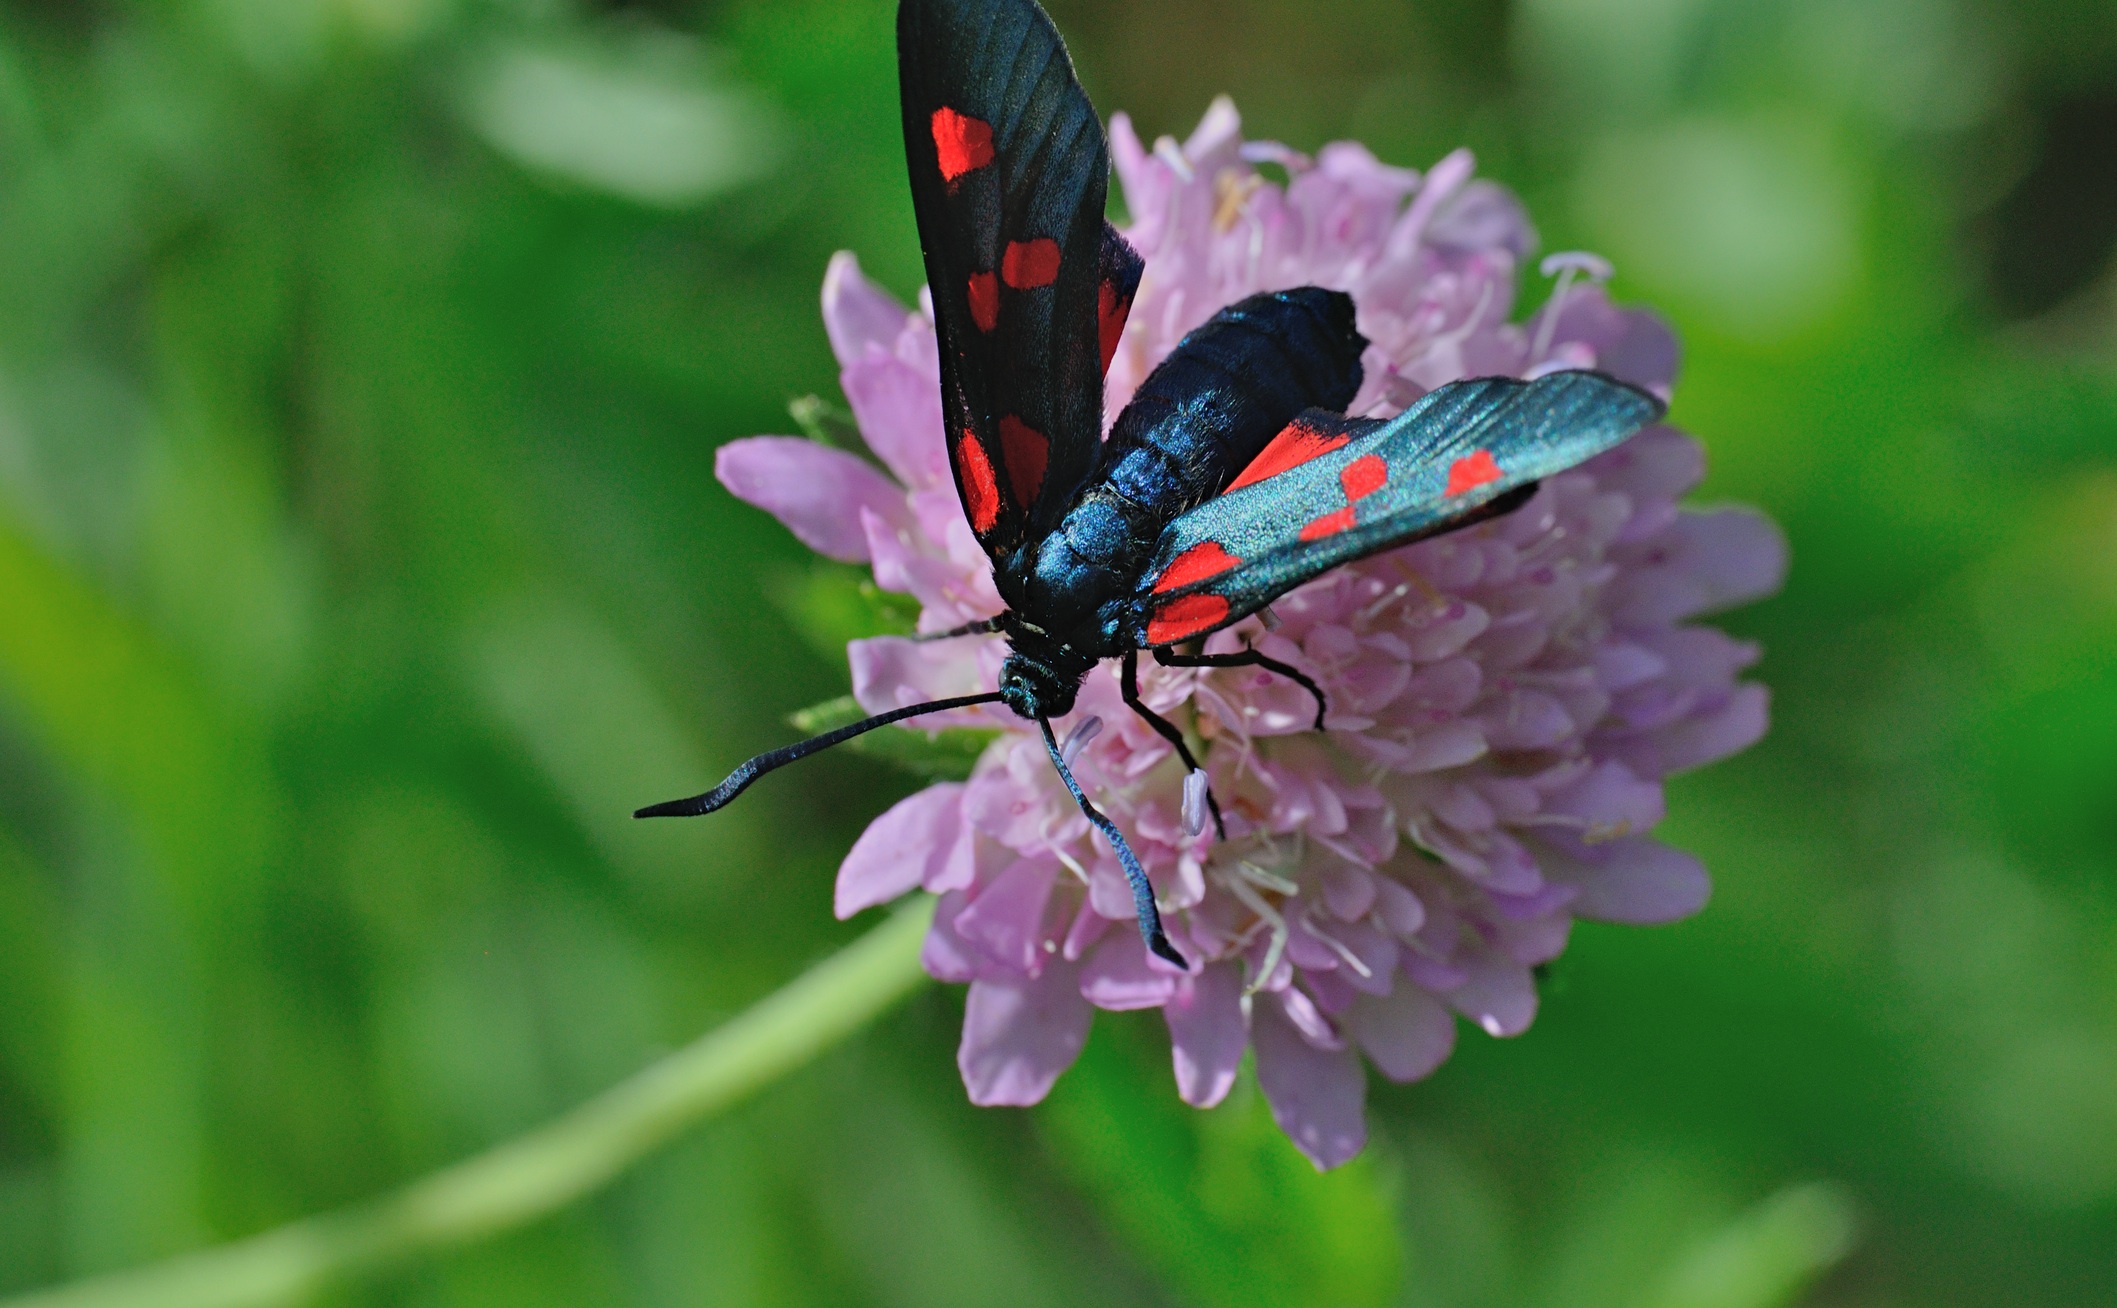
{"x":1009,"y":172}
{"x":1331,"y":489}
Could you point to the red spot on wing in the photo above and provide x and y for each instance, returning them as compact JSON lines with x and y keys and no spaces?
{"x":1364,"y":476}
{"x":981,"y":493}
{"x":963,"y":144}
{"x":1026,"y":452}
{"x":1197,"y":563}
{"x":1186,"y":617}
{"x":1110,"y":315}
{"x":985,"y":300}
{"x":1472,"y":471}
{"x":1292,"y":447}
{"x":1330,"y":524}
{"x":1026,"y":265}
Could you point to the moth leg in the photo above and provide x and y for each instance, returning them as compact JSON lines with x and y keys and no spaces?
{"x":1168,"y":732}
{"x":1150,"y":928}
{"x":982,"y":627}
{"x":1249,"y":658}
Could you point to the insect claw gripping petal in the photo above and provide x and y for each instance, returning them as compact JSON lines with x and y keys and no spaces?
{"x":1248,"y":658}
{"x":1167,"y":731}
{"x":1142,"y":890}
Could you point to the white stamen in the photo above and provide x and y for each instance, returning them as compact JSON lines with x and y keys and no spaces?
{"x":1339,"y":948}
{"x":1582,"y":261}
{"x":1077,"y":739}
{"x":1272,"y":152}
{"x":1268,"y":618}
{"x":1461,"y":332}
{"x":1271,"y":881}
{"x":1194,"y":803}
{"x":1169,"y":152}
{"x":1568,"y":264}
{"x":1374,"y":610}
{"x":1255,"y":903}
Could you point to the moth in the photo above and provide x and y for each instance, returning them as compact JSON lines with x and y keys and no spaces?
{"x":1233,"y":475}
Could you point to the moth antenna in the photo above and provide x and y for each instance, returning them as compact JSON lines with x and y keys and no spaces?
{"x":739,"y":780}
{"x":1142,"y":891}
{"x":982,"y":627}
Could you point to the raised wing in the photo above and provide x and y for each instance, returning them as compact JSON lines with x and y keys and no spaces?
{"x":1331,"y":489}
{"x":1009,"y":172}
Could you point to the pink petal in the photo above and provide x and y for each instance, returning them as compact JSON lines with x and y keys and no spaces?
{"x":1483,"y":216}
{"x":898,"y":408}
{"x":1006,"y":918}
{"x":1302,"y":1014}
{"x":1611,"y":801}
{"x":1207,"y":1033}
{"x":1318,"y":1096}
{"x":1620,"y":665}
{"x":1019,"y":1034}
{"x":1499,"y":995}
{"x":1445,"y":745}
{"x":1348,"y":891}
{"x":1738,"y":554}
{"x":892,"y":672}
{"x":1657,"y":465}
{"x":1407,"y":1032}
{"x":1730,"y":728}
{"x":1399,"y":909}
{"x":921,"y":840}
{"x":908,"y":564}
{"x":856,"y":312}
{"x":818,"y":492}
{"x":1120,"y":976}
{"x":1216,"y":138}
{"x":945,"y":955}
{"x":1442,"y":181}
{"x":1632,"y":345}
{"x":1636,"y":880}
{"x":1703,"y":563}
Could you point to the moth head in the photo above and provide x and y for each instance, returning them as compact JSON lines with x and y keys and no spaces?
{"x":1034,"y":689}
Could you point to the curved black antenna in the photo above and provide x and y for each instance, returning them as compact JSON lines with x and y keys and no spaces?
{"x":1142,"y":892}
{"x":982,"y":627}
{"x":739,"y":780}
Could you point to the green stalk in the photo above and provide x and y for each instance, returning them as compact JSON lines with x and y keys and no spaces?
{"x":537,"y":1174}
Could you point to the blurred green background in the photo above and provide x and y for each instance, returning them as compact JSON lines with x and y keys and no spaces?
{"x":361,"y":567}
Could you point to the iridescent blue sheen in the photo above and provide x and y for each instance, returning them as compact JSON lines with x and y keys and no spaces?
{"x":1196,"y":422}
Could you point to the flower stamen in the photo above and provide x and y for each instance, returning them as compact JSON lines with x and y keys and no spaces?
{"x":1339,"y":948}
{"x":1077,"y":739}
{"x":1568,"y":264}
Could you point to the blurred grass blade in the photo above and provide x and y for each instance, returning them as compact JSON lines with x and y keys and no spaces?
{"x":1770,"y":1255}
{"x":573,"y":695}
{"x":646,"y":117}
{"x":541,"y":1172}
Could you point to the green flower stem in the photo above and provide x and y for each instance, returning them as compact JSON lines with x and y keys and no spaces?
{"x":539,"y":1173}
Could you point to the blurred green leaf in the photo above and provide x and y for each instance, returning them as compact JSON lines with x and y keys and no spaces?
{"x":1770,"y":1255}
{"x":824,"y":422}
{"x":832,"y":605}
{"x":641,"y":114}
{"x":1218,"y":1201}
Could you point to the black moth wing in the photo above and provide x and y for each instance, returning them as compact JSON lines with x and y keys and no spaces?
{"x":1009,"y":174}
{"x":1331,"y":489}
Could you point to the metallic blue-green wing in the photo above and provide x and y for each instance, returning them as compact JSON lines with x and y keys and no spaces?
{"x":1330,"y":489}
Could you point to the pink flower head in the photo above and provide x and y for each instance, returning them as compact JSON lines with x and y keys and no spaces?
{"x":1504,"y":700}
